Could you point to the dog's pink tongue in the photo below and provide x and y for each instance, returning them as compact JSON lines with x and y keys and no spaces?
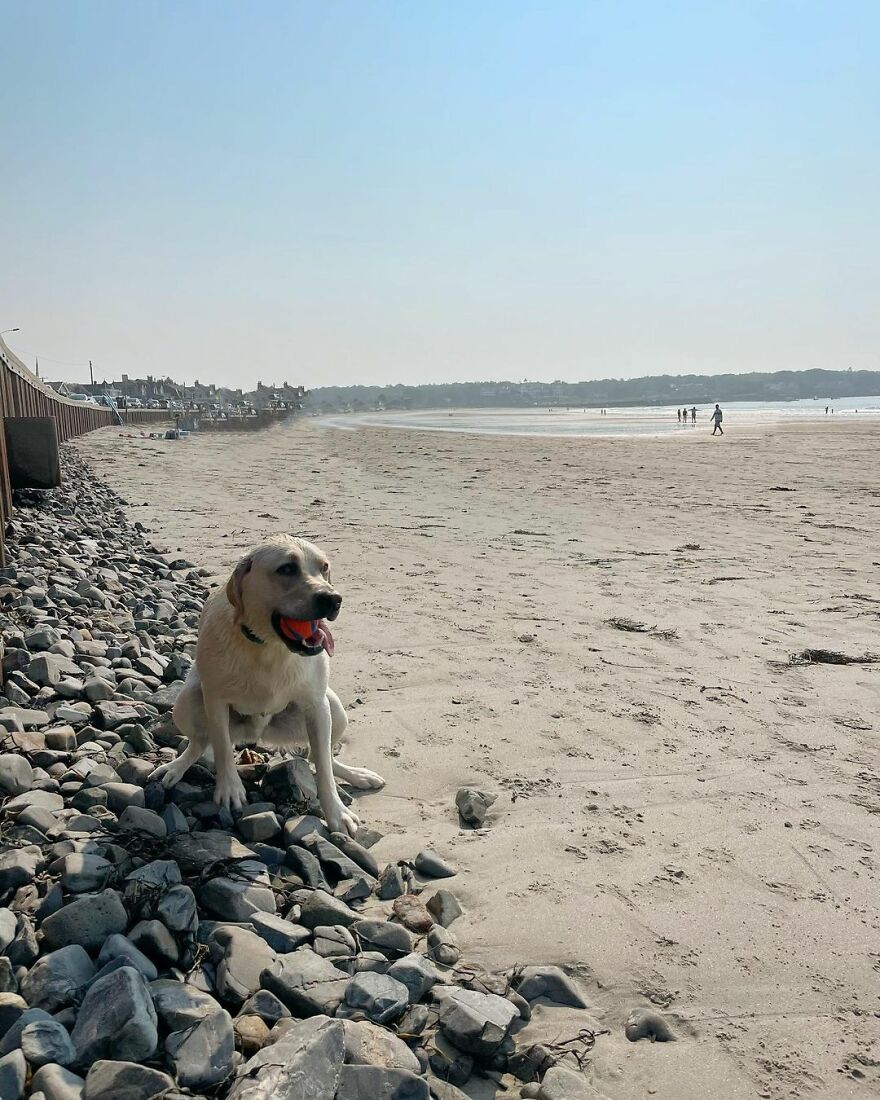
{"x":322,"y":636}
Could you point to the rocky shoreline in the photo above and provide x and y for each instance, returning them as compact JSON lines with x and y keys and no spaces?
{"x":154,"y":945}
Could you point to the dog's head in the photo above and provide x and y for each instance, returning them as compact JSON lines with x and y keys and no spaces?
{"x":282,"y":590}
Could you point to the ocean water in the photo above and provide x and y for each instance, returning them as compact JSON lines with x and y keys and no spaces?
{"x":629,"y":421}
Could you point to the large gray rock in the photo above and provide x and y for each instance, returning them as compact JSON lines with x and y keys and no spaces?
{"x":240,"y":957}
{"x":299,"y":825}
{"x":561,"y":1083}
{"x":280,"y":934}
{"x":116,"y":1019}
{"x":12,"y":1034}
{"x":24,"y":949}
{"x":18,"y":867}
{"x":376,"y":997}
{"x":8,"y":925}
{"x":12,"y":1006}
{"x":416,"y":973}
{"x":119,"y":947}
{"x":473,"y":806}
{"x":357,"y":852}
{"x":322,"y":908}
{"x":261,"y":826}
{"x":111,"y":714}
{"x":391,"y":882}
{"x":444,"y":907}
{"x":369,"y":1045}
{"x":13,"y":1074}
{"x":108,"y":1080}
{"x":22,"y":718}
{"x":156,"y":942}
{"x":44,"y":1041}
{"x":308,"y":867}
{"x":16,"y":774}
{"x":87,"y":921}
{"x":392,"y":940}
{"x":306,"y":983}
{"x":195,"y":852}
{"x":443,"y":946}
{"x":46,"y":669}
{"x":54,"y":981}
{"x":334,"y":941}
{"x":477,"y":1023}
{"x":158,"y":875}
{"x":122,"y":795}
{"x":82,"y":873}
{"x":46,"y":800}
{"x":428,"y":863}
{"x":304,"y":1064}
{"x":332,"y":859}
{"x":135,"y":819}
{"x":8,"y":979}
{"x":552,"y":983}
{"x":178,"y":911}
{"x":180,"y":1006}
{"x":234,"y":900}
{"x":291,"y":782}
{"x":203,"y":1056}
{"x":57,"y":1083}
{"x":376,"y":1083}
{"x":98,"y":690}
{"x":265,"y":1005}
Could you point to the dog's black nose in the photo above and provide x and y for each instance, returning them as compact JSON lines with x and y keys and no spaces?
{"x":327,"y":605}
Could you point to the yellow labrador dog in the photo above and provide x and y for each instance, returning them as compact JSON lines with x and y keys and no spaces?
{"x":261,"y":675}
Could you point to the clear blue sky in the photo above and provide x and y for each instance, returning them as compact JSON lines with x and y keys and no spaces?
{"x":381,"y":192}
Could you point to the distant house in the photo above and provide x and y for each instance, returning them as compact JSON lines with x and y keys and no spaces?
{"x":61,"y":388}
{"x":268,"y":397}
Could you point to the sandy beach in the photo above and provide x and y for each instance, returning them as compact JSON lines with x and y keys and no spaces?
{"x":685,"y":819}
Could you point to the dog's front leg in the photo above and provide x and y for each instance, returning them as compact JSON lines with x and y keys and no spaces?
{"x":339,"y":818}
{"x":228,"y":788}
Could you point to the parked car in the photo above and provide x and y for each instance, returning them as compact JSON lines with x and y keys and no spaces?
{"x":84,"y":398}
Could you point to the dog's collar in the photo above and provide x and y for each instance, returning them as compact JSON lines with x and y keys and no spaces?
{"x":249,"y":634}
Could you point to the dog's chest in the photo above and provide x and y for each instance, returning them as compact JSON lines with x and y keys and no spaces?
{"x":270,"y":688}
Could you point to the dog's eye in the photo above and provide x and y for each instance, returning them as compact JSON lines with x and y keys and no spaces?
{"x":289,"y":569}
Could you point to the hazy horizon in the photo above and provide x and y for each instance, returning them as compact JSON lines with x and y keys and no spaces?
{"x":372,"y":194}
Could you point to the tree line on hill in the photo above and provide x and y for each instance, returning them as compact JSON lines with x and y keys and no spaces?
{"x":654,"y":390}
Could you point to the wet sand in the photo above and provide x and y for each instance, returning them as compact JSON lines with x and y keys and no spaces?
{"x":685,"y":820}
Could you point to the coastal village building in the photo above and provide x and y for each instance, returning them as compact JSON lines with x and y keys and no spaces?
{"x":165,"y":393}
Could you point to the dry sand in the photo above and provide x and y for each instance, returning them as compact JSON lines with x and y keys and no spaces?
{"x":683,"y":820}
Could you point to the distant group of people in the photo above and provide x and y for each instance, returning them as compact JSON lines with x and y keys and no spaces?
{"x":716,"y":418}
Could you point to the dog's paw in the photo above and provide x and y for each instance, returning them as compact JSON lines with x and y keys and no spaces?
{"x":168,"y":774}
{"x":229,"y":791}
{"x":362,"y":779}
{"x":342,"y":819}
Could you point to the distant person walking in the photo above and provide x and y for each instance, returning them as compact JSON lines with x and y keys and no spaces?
{"x":678,"y":414}
{"x":717,"y":417}
{"x":694,"y":415}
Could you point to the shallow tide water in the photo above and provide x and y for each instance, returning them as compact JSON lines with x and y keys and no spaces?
{"x":629,"y":421}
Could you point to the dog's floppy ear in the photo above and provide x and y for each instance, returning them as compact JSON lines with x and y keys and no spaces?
{"x":233,"y":585}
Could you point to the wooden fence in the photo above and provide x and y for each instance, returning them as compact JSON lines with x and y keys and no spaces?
{"x":23,"y":394}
